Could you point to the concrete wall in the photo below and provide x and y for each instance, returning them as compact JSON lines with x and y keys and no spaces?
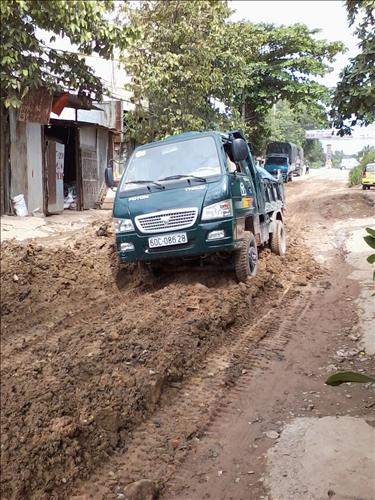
{"x":34,"y":166}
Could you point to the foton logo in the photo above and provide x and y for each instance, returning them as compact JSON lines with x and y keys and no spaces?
{"x":141,"y":197}
{"x":165,"y":219}
{"x":195,"y":188}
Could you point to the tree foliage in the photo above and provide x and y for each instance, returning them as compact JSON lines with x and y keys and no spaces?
{"x":27,"y":61}
{"x":337,"y":157}
{"x":283,"y":123}
{"x":354,"y":98}
{"x":276,"y":63}
{"x":173,"y":66}
{"x":191,"y":57}
{"x":314,"y":153}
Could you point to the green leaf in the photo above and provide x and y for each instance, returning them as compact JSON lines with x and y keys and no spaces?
{"x":342,"y":377}
{"x":370,"y":241}
{"x":371,"y":259}
{"x":371,"y":231}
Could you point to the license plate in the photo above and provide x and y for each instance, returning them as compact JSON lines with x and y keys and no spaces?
{"x":167,"y":239}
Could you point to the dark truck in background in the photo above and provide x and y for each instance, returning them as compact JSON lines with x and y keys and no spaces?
{"x":193,"y":196}
{"x":284,"y":157}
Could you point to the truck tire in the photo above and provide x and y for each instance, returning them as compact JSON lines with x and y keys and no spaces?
{"x":246,"y":258}
{"x":278,"y":241}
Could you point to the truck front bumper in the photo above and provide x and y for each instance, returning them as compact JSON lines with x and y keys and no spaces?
{"x":197,"y":244}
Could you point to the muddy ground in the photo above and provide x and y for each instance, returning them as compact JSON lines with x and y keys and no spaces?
{"x":110,"y":376}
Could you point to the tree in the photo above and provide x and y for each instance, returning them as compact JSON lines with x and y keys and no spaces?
{"x":283,"y":124}
{"x":28,"y":62}
{"x":337,"y":158}
{"x":172,"y":66}
{"x":275,"y":63}
{"x":314,"y":152}
{"x":354,"y":97}
{"x":192,"y":57}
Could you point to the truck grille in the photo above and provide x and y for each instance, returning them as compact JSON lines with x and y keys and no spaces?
{"x":167,"y":220}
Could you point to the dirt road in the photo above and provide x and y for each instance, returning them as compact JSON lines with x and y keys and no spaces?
{"x":188,"y":380}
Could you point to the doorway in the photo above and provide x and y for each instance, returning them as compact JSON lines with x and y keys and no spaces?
{"x":61,"y":141}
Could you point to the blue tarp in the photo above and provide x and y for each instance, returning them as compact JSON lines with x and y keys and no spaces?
{"x":265,"y":174}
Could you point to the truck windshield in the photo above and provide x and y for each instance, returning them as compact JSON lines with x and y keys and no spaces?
{"x":370,"y":167}
{"x":276,"y":161}
{"x":193,"y":158}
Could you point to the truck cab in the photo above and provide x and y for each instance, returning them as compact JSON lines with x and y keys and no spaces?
{"x":194,"y":195}
{"x":276,"y":163}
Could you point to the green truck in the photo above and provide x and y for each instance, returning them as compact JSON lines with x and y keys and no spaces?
{"x":194,"y":196}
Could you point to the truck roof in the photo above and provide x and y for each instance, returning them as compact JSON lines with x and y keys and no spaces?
{"x":191,"y":135}
{"x":183,"y":136}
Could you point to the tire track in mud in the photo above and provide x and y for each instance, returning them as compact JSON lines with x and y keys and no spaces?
{"x":200,"y":406}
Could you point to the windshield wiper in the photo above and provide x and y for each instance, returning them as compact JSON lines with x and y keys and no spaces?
{"x":182,"y":176}
{"x":144,"y":181}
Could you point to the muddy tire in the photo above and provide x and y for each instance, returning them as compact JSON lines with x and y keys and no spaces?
{"x":246,"y":258}
{"x":278,"y":240}
{"x":147,"y":271}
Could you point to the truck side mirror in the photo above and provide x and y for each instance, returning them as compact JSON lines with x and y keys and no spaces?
{"x":108,"y":177}
{"x":239,"y":150}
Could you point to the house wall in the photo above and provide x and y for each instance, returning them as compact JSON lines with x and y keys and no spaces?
{"x":34,"y":166}
{"x":102,"y":152}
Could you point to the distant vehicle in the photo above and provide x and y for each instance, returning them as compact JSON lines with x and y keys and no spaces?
{"x":196,"y":194}
{"x":282,"y":157}
{"x":300,"y":167}
{"x":368,"y":176}
{"x":348,"y":163}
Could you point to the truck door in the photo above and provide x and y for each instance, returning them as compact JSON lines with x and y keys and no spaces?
{"x":242,"y":190}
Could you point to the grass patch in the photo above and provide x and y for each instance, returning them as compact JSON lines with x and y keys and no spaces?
{"x":355,"y":176}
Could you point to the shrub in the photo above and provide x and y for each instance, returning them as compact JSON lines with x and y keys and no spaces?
{"x":355,"y":176}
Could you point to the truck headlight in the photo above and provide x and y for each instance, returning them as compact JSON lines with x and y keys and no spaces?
{"x":218,"y":210}
{"x":123,"y":225}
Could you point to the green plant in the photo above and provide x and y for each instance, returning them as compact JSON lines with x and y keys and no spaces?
{"x":366,"y":156}
{"x":29,"y":27}
{"x":343,"y":377}
{"x":355,"y":176}
{"x":354,"y":97}
{"x":195,"y":69}
{"x":370,"y":240}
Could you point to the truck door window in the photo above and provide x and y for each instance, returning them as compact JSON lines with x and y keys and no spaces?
{"x":231,"y":166}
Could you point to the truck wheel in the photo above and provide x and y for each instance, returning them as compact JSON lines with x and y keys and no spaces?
{"x":278,"y":241}
{"x":246,"y":258}
{"x":149,"y":270}
{"x":364,"y":187}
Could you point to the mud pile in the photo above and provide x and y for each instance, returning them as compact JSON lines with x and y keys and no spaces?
{"x":87,"y":348}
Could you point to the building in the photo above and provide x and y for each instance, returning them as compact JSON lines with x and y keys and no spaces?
{"x":58,"y":160}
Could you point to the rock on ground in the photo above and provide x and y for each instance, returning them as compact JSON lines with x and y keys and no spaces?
{"x":141,"y":490}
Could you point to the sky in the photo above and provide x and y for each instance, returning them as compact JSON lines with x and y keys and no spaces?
{"x":327,"y":15}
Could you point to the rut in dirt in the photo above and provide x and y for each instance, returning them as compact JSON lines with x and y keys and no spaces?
{"x":87,"y":349}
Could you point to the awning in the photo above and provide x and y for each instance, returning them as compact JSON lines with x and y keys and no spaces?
{"x":66,"y":100}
